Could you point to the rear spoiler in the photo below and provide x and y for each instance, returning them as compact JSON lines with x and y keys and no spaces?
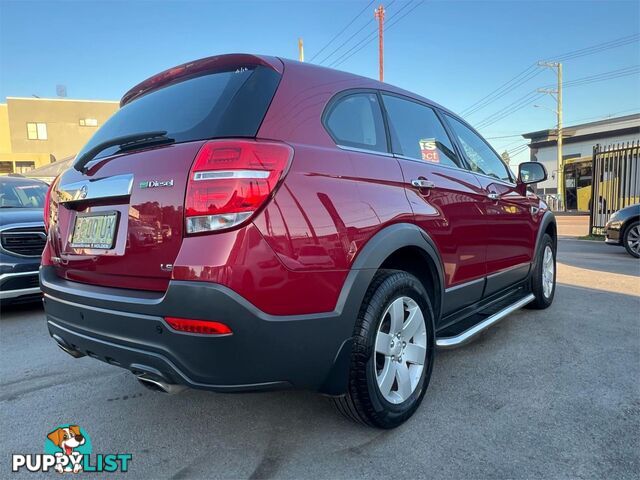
{"x":219,"y":62}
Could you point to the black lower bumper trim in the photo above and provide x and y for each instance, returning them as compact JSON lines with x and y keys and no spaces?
{"x":265,"y":352}
{"x":141,"y":361}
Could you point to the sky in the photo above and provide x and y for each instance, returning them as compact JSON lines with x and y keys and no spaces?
{"x":453,"y":52}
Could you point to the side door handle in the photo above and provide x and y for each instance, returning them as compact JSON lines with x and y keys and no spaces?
{"x":493,"y":196}
{"x":422,"y":183}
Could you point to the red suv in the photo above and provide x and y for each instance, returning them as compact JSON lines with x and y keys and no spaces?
{"x":252,"y":223}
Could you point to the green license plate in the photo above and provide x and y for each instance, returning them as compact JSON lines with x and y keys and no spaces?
{"x":94,"y":230}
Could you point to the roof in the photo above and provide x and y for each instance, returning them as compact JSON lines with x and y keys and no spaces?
{"x":17,"y":179}
{"x":61,"y":100}
{"x":329,"y":78}
{"x":51,"y":170}
{"x":584,"y":131}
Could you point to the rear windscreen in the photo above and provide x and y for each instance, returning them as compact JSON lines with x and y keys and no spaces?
{"x":221,"y":104}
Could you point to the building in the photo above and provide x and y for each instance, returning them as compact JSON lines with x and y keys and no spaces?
{"x":37,"y":131}
{"x":577,"y":151}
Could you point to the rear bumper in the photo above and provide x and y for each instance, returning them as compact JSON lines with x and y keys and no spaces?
{"x":126,"y":328}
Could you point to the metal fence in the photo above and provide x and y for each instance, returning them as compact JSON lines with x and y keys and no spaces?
{"x":616,"y":181}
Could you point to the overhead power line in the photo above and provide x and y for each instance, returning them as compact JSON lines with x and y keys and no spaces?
{"x":369,"y":22}
{"x":618,"y":42}
{"x":498,"y":90}
{"x":533,"y":70}
{"x":534,"y":95}
{"x":513,"y":107}
{"x":368,"y":40}
{"x":342,"y":31}
{"x":503,"y":136}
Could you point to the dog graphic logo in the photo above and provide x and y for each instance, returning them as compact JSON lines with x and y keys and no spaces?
{"x":69,"y":441}
{"x":68,"y":449}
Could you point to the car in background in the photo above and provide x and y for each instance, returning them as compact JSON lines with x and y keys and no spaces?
{"x":623,"y":228}
{"x":22,"y":237}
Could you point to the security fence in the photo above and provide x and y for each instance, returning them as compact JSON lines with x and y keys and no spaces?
{"x":616,"y":181}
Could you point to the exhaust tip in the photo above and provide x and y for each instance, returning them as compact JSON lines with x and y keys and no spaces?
{"x":65,"y":347}
{"x":158,"y":385}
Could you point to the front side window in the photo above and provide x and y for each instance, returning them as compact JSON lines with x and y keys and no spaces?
{"x":356,"y":121}
{"x":416,"y":132}
{"x":482,"y":159}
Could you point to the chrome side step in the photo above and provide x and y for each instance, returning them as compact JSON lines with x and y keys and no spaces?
{"x":469,"y":334}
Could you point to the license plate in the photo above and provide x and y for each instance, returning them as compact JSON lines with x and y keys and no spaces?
{"x":94,"y":230}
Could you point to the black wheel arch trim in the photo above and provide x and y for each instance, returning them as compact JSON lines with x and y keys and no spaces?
{"x":547,"y":219}
{"x":379,"y":247}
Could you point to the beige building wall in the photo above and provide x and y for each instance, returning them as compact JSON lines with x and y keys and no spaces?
{"x":65,"y":134}
{"x":5,"y":135}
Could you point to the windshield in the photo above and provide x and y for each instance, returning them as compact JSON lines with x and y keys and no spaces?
{"x":23,"y":194}
{"x":221,"y":104}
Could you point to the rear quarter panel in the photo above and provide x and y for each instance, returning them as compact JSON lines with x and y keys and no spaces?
{"x":332,"y":200}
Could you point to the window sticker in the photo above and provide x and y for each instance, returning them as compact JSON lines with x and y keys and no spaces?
{"x":429,"y":150}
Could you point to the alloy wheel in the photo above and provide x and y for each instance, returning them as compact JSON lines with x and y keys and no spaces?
{"x":400,"y":350}
{"x":633,"y":239}
{"x":548,"y":268}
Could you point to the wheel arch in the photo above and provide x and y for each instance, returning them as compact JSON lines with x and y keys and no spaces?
{"x":405,"y":246}
{"x":626,"y":224}
{"x":547,"y":225}
{"x":392,"y":247}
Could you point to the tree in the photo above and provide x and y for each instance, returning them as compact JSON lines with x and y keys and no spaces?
{"x":506,"y":158}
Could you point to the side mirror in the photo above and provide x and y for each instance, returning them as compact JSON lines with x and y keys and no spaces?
{"x":531,"y":172}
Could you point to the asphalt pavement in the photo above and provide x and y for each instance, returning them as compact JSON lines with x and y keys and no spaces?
{"x":544,"y":394}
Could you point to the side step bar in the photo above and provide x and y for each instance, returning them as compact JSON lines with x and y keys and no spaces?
{"x":468,"y":335}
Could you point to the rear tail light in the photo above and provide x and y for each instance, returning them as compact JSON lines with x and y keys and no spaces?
{"x":204,"y":327}
{"x":47,"y":205}
{"x":230,"y":180}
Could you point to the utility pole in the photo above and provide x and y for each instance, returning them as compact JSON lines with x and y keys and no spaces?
{"x":300,"y":49}
{"x":557,"y":94}
{"x":379,"y":15}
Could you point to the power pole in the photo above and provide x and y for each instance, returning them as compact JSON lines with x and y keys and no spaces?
{"x":557,"y":94}
{"x":300,"y":50}
{"x":379,"y":15}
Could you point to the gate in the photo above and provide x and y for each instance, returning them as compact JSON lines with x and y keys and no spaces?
{"x":616,"y":182}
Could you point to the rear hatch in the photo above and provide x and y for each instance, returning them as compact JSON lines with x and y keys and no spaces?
{"x":118,"y":215}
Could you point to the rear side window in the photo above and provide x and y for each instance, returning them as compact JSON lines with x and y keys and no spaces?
{"x":356,"y":121}
{"x":214,"y":105}
{"x":416,"y":132}
{"x":482,"y":159}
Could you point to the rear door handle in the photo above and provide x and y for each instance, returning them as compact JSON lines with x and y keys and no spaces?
{"x":422,"y":183}
{"x":493,"y":196}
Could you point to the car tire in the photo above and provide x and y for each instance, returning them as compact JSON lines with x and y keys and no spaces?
{"x":631,"y":238}
{"x":543,"y":280}
{"x":384,"y":388}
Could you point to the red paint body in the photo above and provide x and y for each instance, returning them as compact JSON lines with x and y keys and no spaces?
{"x":293,"y":256}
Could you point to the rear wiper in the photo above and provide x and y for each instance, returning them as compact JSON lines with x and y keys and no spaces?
{"x":126,"y":142}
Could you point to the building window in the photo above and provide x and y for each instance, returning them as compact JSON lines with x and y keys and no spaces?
{"x":24,"y":167}
{"x":36,"y":131}
{"x":6,"y":167}
{"x":88,"y":122}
